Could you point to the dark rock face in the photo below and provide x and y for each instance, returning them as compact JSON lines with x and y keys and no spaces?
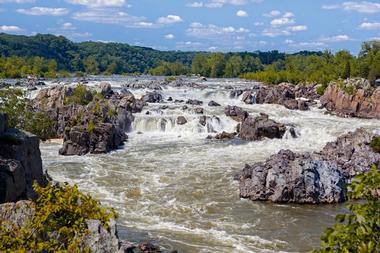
{"x":20,"y":163}
{"x":362,"y":102}
{"x":199,"y":110}
{"x":236,"y":93}
{"x":106,"y":89}
{"x":194,"y":102}
{"x":152,"y":97}
{"x":225,"y":136}
{"x":253,"y":129}
{"x":181,"y":120}
{"x":235,"y":112}
{"x":318,"y":177}
{"x":103,"y":139}
{"x":213,"y":103}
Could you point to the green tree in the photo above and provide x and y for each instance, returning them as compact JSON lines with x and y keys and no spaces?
{"x":234,"y":66}
{"x":358,"y":231}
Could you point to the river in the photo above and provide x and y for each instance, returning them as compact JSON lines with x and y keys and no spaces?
{"x":172,"y":186}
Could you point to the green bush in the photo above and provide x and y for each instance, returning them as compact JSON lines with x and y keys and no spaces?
{"x":358,"y":231}
{"x":321,"y":89}
{"x":375,"y":144}
{"x":18,"y":108}
{"x":91,"y":127}
{"x":79,"y":96}
{"x":58,"y":224}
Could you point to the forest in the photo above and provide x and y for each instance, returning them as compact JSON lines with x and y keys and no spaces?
{"x":55,"y":56}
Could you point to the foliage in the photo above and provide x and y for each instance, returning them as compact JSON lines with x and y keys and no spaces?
{"x":80,"y":95}
{"x":169,"y":69}
{"x":375,"y":144}
{"x":58,"y":224}
{"x":321,"y":89}
{"x":22,"y":116}
{"x":91,"y":127}
{"x":358,"y":231}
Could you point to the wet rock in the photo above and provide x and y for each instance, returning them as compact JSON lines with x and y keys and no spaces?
{"x":125,"y":91}
{"x":106,"y":89}
{"x":203,"y":120}
{"x":318,"y":177}
{"x":213,"y":103}
{"x":80,"y":140}
{"x":4,"y":85}
{"x":353,"y":97}
{"x":194,"y":102}
{"x":20,"y":163}
{"x":291,"y":104}
{"x":256,"y":128}
{"x":181,"y":120}
{"x":249,"y":98}
{"x":307,"y":91}
{"x":178,"y":101}
{"x":170,"y":99}
{"x":32,"y":88}
{"x":163,"y":107}
{"x":199,"y":110}
{"x":236,"y":93}
{"x":225,"y":136}
{"x":152,"y":97}
{"x":185,"y":107}
{"x":235,"y":112}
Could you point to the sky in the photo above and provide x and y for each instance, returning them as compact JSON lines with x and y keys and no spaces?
{"x":201,"y":25}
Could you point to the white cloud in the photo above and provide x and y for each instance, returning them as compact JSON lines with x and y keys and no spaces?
{"x":9,"y":28}
{"x":43,"y":11}
{"x":169,"y":36}
{"x":361,"y":7}
{"x":369,"y":26}
{"x":258,"y":24}
{"x":98,"y":3}
{"x":281,"y":21}
{"x":195,"y":5}
{"x":336,"y":38}
{"x":241,"y":13}
{"x":209,"y":31}
{"x":68,"y":26}
{"x":297,"y":28}
{"x":169,"y":19}
{"x":288,"y":15}
{"x":309,"y":45}
{"x":273,"y":13}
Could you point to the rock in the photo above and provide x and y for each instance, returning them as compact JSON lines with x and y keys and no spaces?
{"x":178,"y":101}
{"x":32,"y":88}
{"x":306,"y":91}
{"x":170,"y":99}
{"x":318,"y":177}
{"x":16,"y":215}
{"x":235,"y":112}
{"x":20,"y":163}
{"x":194,"y":102}
{"x":104,"y":138}
{"x":213,"y":103}
{"x":225,"y":136}
{"x":291,"y":104}
{"x":181,"y":120}
{"x":236,"y":93}
{"x":105,"y":89}
{"x":199,"y":110}
{"x":359,"y":100}
{"x":152,"y":97}
{"x":253,"y":129}
{"x":3,"y":123}
{"x":249,"y":98}
{"x":125,"y":91}
{"x":303,"y":105}
{"x":99,"y":239}
{"x":203,"y":120}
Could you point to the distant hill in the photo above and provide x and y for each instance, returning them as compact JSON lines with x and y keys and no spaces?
{"x":122,"y":58}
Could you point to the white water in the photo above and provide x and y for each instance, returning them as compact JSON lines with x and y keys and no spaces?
{"x":171,"y":185}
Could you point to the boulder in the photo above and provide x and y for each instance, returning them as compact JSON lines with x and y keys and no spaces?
{"x":253,"y":129}
{"x":181,"y":120}
{"x":225,"y":136}
{"x":249,"y":97}
{"x":106,"y":89}
{"x":317,"y":177}
{"x":213,"y":103}
{"x":152,"y":97}
{"x":236,"y":93}
{"x":235,"y":112}
{"x":194,"y":102}
{"x":199,"y":110}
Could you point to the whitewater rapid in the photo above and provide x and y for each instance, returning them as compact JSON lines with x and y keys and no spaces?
{"x":172,"y":186}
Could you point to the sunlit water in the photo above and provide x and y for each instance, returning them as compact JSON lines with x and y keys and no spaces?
{"x":171,"y":185}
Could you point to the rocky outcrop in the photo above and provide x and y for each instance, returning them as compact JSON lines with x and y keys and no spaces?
{"x":181,"y":120}
{"x":20,"y":163}
{"x":317,"y":177}
{"x":352,"y":97}
{"x":194,"y":102}
{"x":97,"y":127}
{"x":236,"y":112}
{"x":256,"y":128}
{"x":152,"y":97}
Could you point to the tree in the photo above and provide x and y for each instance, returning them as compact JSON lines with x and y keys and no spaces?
{"x":233,"y":66}
{"x":358,"y":231}
{"x":216,"y":63}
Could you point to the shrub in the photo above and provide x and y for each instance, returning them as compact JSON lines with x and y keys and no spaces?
{"x":375,"y":144}
{"x":58,"y":224}
{"x":79,"y":96}
{"x":358,"y":231}
{"x":91,"y":127}
{"x":321,"y":89}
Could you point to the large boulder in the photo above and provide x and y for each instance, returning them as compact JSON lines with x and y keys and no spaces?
{"x":236,"y":112}
{"x":318,"y":177}
{"x":152,"y":97}
{"x":20,"y":163}
{"x":352,"y":97}
{"x":256,"y":128}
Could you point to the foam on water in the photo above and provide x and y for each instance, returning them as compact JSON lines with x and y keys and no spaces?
{"x":178,"y":187}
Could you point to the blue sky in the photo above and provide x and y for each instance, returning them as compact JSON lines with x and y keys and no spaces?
{"x":212,"y":25}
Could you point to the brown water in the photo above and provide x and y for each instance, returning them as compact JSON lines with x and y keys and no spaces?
{"x":172,"y":186}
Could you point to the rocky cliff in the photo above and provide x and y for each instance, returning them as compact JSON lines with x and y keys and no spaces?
{"x":20,"y":163}
{"x":352,"y":97}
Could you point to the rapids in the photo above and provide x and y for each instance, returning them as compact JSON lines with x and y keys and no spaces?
{"x":172,"y":186}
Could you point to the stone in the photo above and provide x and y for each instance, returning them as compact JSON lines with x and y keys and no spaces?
{"x":199,"y":110}
{"x":152,"y":97}
{"x":256,"y":128}
{"x":194,"y":102}
{"x":235,"y":112}
{"x":213,"y":103}
{"x":225,"y":136}
{"x":181,"y":120}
